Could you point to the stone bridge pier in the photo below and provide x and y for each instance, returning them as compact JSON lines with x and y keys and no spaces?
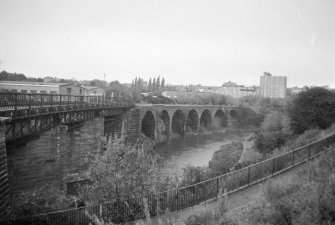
{"x":4,"y":178}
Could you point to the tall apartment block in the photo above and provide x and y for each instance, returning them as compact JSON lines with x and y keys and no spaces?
{"x":273,"y":86}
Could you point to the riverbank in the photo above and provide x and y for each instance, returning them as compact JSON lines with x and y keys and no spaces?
{"x":197,"y":150}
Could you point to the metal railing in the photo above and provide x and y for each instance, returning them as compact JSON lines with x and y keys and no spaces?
{"x":177,"y":199}
{"x":14,"y":101}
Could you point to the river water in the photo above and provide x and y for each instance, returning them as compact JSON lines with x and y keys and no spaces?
{"x":59,"y":152}
{"x":196,"y":150}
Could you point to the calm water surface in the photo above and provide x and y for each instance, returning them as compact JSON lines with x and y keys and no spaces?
{"x":195,"y":150}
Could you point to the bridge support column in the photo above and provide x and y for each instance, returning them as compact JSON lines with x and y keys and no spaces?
{"x":113,"y":125}
{"x":4,"y":179}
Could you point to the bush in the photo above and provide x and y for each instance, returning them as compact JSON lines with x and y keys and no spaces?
{"x":122,"y":171}
{"x":40,"y":200}
{"x":275,"y":131}
{"x":225,"y":158}
{"x":309,"y":200}
{"x":314,"y":108}
{"x":194,"y":174}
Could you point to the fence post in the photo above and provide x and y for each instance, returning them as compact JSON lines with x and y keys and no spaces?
{"x":217,"y":186}
{"x":273,"y":165}
{"x":293,"y":158}
{"x":15,"y":99}
{"x":100,"y":211}
{"x":248,"y":175}
{"x":29,"y":102}
{"x":177,"y":199}
{"x":41,"y":100}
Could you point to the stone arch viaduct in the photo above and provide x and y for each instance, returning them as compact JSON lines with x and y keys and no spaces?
{"x":162,"y":122}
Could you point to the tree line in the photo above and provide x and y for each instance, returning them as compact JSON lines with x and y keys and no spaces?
{"x":153,"y":85}
{"x":4,"y":75}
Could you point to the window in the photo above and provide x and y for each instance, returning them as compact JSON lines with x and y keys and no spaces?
{"x":80,"y":91}
{"x":24,"y":91}
{"x":33,"y":91}
{"x":68,"y":91}
{"x":43,"y":92}
{"x":14,"y":90}
{"x":53,"y":92}
{"x":5,"y":90}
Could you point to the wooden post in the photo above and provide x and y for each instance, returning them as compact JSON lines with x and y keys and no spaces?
{"x":273,"y":165}
{"x":248,"y":175}
{"x":293,"y":158}
{"x":4,"y":179}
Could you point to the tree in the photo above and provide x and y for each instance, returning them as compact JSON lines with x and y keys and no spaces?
{"x":122,"y":171}
{"x":275,"y":130}
{"x":117,"y":89}
{"x":154,"y":84}
{"x":149,"y":85}
{"x":314,"y":108}
{"x":158,"y":83}
{"x":163,"y":83}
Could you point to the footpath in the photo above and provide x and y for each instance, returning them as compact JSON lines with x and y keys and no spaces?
{"x":238,"y":199}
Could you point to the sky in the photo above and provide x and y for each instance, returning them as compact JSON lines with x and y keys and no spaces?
{"x":206,"y":42}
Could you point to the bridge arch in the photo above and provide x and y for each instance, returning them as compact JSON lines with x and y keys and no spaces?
{"x":220,"y":119}
{"x":148,"y":125}
{"x":192,"y":121}
{"x":206,"y":118}
{"x":165,"y":125}
{"x":178,"y":122}
{"x":233,"y":113}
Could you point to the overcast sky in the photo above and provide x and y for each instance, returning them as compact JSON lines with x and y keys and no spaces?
{"x":204,"y":42}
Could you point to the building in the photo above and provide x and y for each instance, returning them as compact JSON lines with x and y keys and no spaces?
{"x":273,"y":86}
{"x":41,"y":88}
{"x":233,"y":90}
{"x":50,"y":79}
{"x":95,"y":91}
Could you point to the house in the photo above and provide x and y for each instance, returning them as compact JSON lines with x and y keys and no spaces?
{"x":95,"y":91}
{"x":42,"y":88}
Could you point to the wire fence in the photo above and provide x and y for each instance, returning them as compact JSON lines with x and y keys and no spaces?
{"x":177,"y":199}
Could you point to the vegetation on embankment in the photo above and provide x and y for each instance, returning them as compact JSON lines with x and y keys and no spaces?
{"x":305,"y":118}
{"x":308,"y":200}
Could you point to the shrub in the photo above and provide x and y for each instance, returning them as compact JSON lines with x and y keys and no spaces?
{"x":193,"y":175}
{"x":122,"y":171}
{"x":225,"y":158}
{"x":40,"y":200}
{"x":309,"y":200}
{"x":314,"y":108}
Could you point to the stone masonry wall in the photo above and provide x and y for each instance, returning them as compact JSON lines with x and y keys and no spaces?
{"x":4,"y":180}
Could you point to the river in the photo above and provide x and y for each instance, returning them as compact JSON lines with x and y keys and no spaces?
{"x":195,"y":150}
{"x":59,"y":152}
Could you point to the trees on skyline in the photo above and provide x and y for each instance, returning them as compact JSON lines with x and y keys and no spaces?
{"x":4,"y":75}
{"x":154,"y":84}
